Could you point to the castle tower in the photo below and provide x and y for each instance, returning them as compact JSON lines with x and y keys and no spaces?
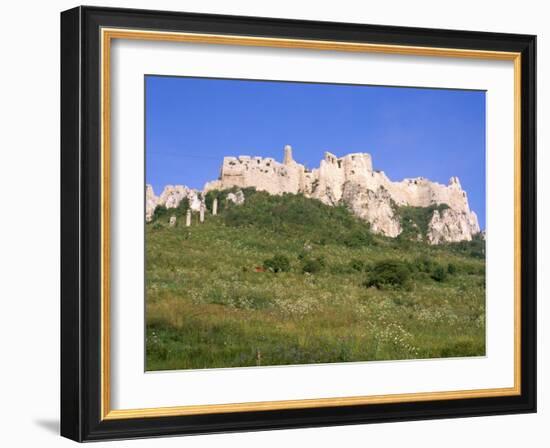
{"x":288,"y":155}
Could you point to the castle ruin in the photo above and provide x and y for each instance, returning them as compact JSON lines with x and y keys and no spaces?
{"x":349,"y":180}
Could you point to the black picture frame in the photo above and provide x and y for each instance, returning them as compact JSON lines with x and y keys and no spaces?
{"x":81,"y":224}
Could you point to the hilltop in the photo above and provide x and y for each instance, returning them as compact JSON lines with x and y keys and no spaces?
{"x":348,"y":181}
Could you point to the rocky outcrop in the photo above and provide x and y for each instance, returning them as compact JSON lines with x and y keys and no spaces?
{"x":236,"y":198}
{"x":151,"y":202}
{"x":351,"y":180}
{"x":373,"y":206}
{"x":171,"y":197}
{"x":451,"y":225}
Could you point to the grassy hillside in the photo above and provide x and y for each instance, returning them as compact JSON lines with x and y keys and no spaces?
{"x":288,"y":280}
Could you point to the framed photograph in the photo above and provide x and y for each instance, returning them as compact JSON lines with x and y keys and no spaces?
{"x":273,"y":223}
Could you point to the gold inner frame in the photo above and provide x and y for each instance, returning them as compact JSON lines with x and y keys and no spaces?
{"x":107,"y":35}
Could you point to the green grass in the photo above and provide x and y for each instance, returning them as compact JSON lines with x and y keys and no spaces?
{"x":210,"y":302}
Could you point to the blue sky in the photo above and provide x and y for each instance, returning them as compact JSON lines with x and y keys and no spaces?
{"x":192,"y":123}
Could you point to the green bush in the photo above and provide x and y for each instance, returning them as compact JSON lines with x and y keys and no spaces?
{"x":388,"y":273}
{"x":452,"y":269}
{"x":439,"y":274}
{"x":368,"y":267}
{"x":279,"y":263}
{"x":357,"y":238}
{"x":403,"y":241}
{"x":312,"y":266}
{"x":221,"y":196}
{"x":295,"y":216}
{"x":423,"y":264}
{"x":181,"y":210}
{"x":156,"y":225}
{"x":357,"y":265}
{"x":160,"y":211}
{"x":470,"y":268}
{"x":474,"y":248}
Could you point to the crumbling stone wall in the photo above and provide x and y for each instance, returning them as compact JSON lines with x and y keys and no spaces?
{"x":351,"y":180}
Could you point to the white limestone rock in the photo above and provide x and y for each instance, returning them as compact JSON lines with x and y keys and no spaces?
{"x":151,"y":202}
{"x":172,"y":196}
{"x":452,"y":225}
{"x":236,"y":198}
{"x":375,"y":207}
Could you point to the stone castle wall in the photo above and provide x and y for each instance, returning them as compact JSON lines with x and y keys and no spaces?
{"x":327,"y":183}
{"x":349,"y":180}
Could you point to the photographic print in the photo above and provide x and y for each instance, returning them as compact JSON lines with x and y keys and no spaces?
{"x":344,"y":213}
{"x":299,"y":223}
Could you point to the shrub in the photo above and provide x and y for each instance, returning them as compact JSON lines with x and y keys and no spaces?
{"x":402,"y":241}
{"x":357,"y":265}
{"x":474,"y":248}
{"x":471,"y":268}
{"x":439,"y":274}
{"x":424,"y":264}
{"x":279,"y":263}
{"x":368,"y":267}
{"x":388,"y":273}
{"x":160,"y":211}
{"x":358,"y":238}
{"x":296,"y":216}
{"x":451,"y":269}
{"x":181,"y":210}
{"x":221,"y":196}
{"x":312,"y":266}
{"x":209,"y":200}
